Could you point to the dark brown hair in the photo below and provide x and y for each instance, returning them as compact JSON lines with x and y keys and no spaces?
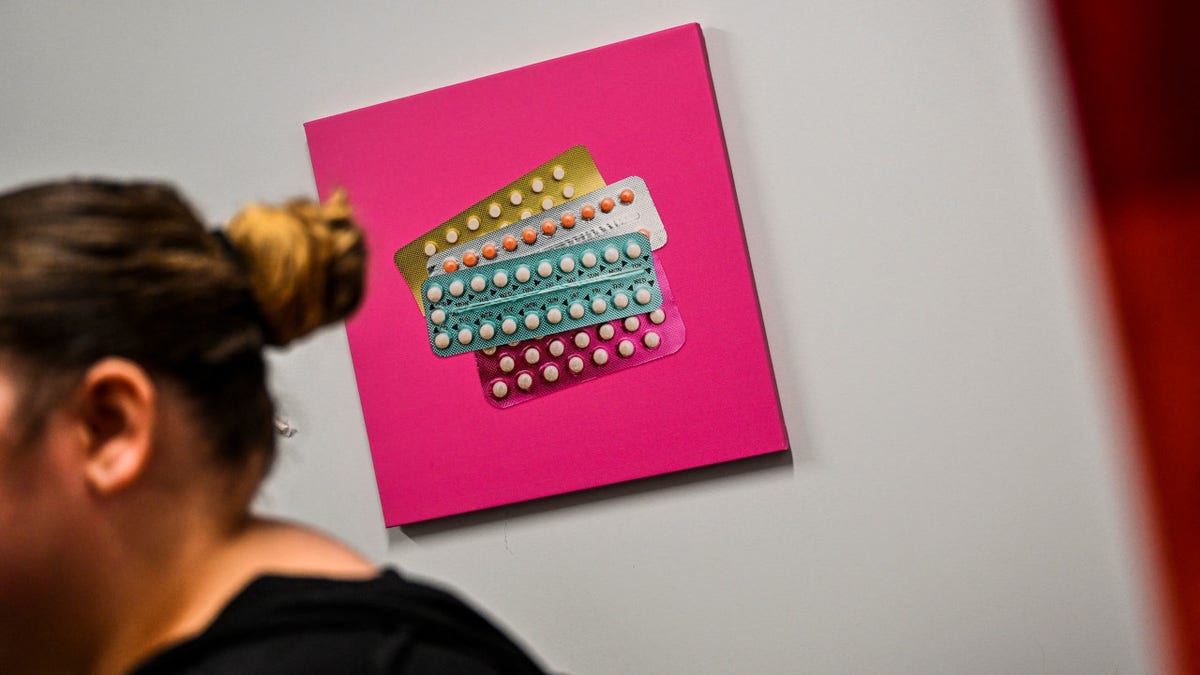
{"x":92,"y":269}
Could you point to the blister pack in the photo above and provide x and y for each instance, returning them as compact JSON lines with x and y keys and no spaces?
{"x":515,"y":373}
{"x":620,"y":208}
{"x":536,"y":295}
{"x":565,"y":177}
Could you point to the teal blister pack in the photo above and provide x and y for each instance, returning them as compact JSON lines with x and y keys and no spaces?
{"x":621,"y":208}
{"x":540,"y":294}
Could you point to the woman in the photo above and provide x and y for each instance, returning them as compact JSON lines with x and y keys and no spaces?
{"x":135,"y":428}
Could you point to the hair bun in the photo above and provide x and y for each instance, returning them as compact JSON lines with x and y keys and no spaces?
{"x":305,"y":260}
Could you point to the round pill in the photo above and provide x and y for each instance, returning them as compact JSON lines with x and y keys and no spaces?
{"x":457,"y":288}
{"x":524,"y":381}
{"x":529,"y":235}
{"x":548,"y":227}
{"x":494,"y":210}
{"x":452,"y":235}
{"x":568,"y":220}
{"x":509,"y":243}
{"x":489,"y":350}
{"x":470,"y":258}
{"x":532,"y":321}
{"x":499,"y":389}
{"x":515,"y":198}
{"x":434,"y":293}
{"x":588,"y":212}
{"x":547,"y":203}
{"x":556,"y":347}
{"x":489,"y":250}
{"x":465,"y":336}
{"x":545,"y":269}
{"x":508,"y":326}
{"x":599,"y":306}
{"x":478,"y":283}
{"x":576,"y":310}
{"x":632,"y":250}
{"x":644,"y":231}
{"x":611,"y":254}
{"x":500,"y":279}
{"x":487,"y":331}
{"x":582,"y":339}
{"x":651,"y":339}
{"x":575,"y":363}
{"x":620,"y":301}
{"x":442,"y":341}
{"x":522,"y":274}
{"x":642,"y":297}
{"x":625,"y":348}
{"x":449,"y":265}
{"x":626,"y":196}
{"x":430,"y":248}
{"x":658,"y":316}
{"x":554,"y":315}
{"x":550,"y":373}
{"x":600,"y":356}
{"x":588,"y":259}
{"x":437,"y":316}
{"x":532,"y":356}
{"x":607,"y":204}
{"x":569,"y":191}
{"x":631,"y":324}
{"x":507,"y":363}
{"x":566,"y":264}
{"x":473,"y":223}
{"x":537,"y":185}
{"x":526,"y":213}
{"x":559,"y":172}
{"x":606,"y":331}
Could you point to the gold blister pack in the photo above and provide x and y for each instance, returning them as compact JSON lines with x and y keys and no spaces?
{"x":565,"y":177}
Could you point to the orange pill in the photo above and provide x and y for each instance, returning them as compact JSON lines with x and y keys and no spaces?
{"x":529,"y":235}
{"x":640,"y":229}
{"x":510,"y":243}
{"x":588,"y":212}
{"x":470,"y":258}
{"x":607,"y":204}
{"x":568,"y":219}
{"x":450,"y":265}
{"x":548,"y":227}
{"x":489,"y":250}
{"x":626,"y":196}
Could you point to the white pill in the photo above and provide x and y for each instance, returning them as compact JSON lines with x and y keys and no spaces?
{"x":576,"y":310}
{"x":575,"y":363}
{"x":500,"y":279}
{"x":508,"y":326}
{"x":547,"y":203}
{"x":582,"y":340}
{"x":633,"y":250}
{"x":451,"y":235}
{"x":559,"y":172}
{"x":442,"y":341}
{"x":606,"y":331}
{"x":490,"y":350}
{"x":642,"y":297}
{"x":550,"y":373}
{"x":554,"y":315}
{"x":556,"y":348}
{"x":478,"y":283}
{"x":434,"y":293}
{"x":457,"y":288}
{"x":522,"y":274}
{"x":525,"y":381}
{"x":620,"y":301}
{"x":515,"y":198}
{"x":537,"y":185}
{"x":599,"y":306}
{"x":600,"y":356}
{"x":567,"y":264}
{"x":465,"y":336}
{"x":487,"y":331}
{"x":499,"y":390}
{"x":611,"y":254}
{"x":473,"y":223}
{"x":545,"y":269}
{"x":631,"y":324}
{"x":532,"y":321}
{"x":532,"y":356}
{"x":569,"y":191}
{"x":526,"y":213}
{"x":651,"y":339}
{"x":588,"y":259}
{"x":658,"y":316}
{"x":507,"y":363}
{"x":437,"y":316}
{"x":625,"y":348}
{"x":494,"y":210}
{"x":430,"y":248}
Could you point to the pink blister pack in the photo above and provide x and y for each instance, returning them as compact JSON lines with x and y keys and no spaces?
{"x":521,"y":371}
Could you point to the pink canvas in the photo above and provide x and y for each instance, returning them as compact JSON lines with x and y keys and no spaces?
{"x":643,"y":107}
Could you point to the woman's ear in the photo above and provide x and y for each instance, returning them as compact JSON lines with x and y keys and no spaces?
{"x":118,"y":408}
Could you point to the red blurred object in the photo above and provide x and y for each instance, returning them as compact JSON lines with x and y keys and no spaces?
{"x":1135,"y":72}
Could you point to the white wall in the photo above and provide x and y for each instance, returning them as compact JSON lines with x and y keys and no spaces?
{"x":957,"y":499}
